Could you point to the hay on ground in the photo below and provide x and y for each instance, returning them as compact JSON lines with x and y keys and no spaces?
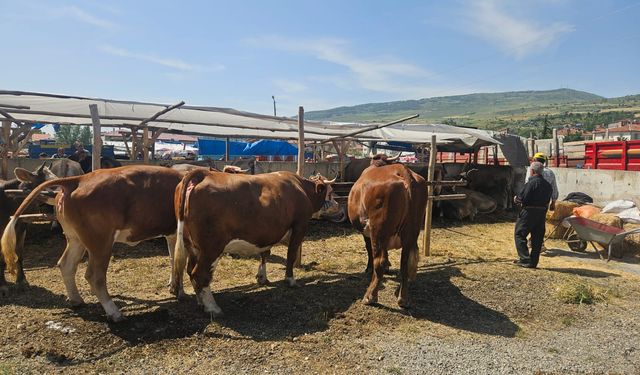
{"x":557,"y":233}
{"x":563,"y":210}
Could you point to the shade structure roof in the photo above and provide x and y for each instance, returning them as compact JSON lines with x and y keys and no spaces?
{"x":220,"y":122}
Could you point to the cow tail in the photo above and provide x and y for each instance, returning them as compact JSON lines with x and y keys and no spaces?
{"x":184,"y":189}
{"x":8,"y":241}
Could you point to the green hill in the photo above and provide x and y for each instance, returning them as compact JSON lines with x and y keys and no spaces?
{"x":515,"y":109}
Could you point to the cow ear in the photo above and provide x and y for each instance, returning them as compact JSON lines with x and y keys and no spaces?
{"x":24,"y":175}
{"x":321,"y":188}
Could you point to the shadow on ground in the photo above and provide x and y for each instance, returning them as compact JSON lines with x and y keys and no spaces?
{"x":278,"y":313}
{"x":583,"y":272}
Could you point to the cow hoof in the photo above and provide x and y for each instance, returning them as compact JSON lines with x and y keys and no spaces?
{"x":291,"y":282}
{"x":4,"y":291}
{"x":76,"y":303}
{"x":180,"y":294}
{"x":214,"y":313}
{"x":370,"y":300}
{"x":262,"y":280}
{"x":116,"y":318}
{"x":404,"y":303}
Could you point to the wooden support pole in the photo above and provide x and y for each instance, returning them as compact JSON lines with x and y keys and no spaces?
{"x":300,"y":169}
{"x":145,"y":145}
{"x":126,"y":145}
{"x":97,"y":141}
{"x":426,"y":236}
{"x":6,"y":138}
{"x":556,"y":147}
{"x":134,"y":142}
{"x":226,"y":149}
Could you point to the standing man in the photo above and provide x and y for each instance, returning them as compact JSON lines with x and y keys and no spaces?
{"x":59,"y":154}
{"x":534,"y":198}
{"x":548,"y":175}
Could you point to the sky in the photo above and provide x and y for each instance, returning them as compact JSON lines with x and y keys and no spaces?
{"x":316,"y":54}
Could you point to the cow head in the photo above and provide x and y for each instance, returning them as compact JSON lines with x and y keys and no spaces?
{"x":469,"y":175}
{"x":382,"y":160}
{"x":30,"y":180}
{"x":234,"y":169}
{"x":326,"y":206}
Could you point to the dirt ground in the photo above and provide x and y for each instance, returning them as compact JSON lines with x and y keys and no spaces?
{"x":473,"y":312}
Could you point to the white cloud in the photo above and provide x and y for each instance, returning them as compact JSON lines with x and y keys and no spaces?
{"x":85,"y":17}
{"x":164,"y":61}
{"x":379,"y":74}
{"x":516,"y":36}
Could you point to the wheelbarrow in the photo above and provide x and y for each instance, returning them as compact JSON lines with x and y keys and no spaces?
{"x":585,"y":231}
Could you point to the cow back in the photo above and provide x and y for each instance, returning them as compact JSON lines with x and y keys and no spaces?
{"x":137,"y":198}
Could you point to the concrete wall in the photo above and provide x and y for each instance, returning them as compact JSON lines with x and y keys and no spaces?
{"x":601,"y":185}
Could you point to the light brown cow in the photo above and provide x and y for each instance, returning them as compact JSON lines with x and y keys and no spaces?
{"x":240,"y":214}
{"x":127,"y":205}
{"x":387,"y":205}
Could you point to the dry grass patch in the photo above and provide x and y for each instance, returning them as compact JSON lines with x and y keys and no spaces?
{"x":580,"y":292}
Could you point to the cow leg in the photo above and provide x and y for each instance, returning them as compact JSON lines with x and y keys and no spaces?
{"x":68,"y":265}
{"x":367,"y":244}
{"x":20,"y":277}
{"x":201,"y":276}
{"x":371,"y":296}
{"x":96,"y":275}
{"x":409,"y":247}
{"x":262,"y":268}
{"x":4,"y":290}
{"x":387,"y":264}
{"x":295,"y":241}
{"x":171,"y":246}
{"x":177,"y":268}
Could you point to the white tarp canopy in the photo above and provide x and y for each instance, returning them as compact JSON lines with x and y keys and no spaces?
{"x":219,"y":122}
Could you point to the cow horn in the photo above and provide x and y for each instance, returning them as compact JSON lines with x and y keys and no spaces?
{"x":329,"y":182}
{"x":394,"y":159}
{"x":41,"y":168}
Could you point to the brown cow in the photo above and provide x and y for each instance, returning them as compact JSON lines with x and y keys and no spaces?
{"x":27,"y":180}
{"x":387,"y":205}
{"x":240,"y":214}
{"x":126,"y":205}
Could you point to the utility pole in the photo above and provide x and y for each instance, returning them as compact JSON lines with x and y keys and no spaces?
{"x":274,"y":105}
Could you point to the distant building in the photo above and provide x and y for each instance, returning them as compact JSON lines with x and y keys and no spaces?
{"x":625,"y":130}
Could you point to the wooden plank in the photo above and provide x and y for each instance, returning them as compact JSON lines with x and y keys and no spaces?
{"x":31,"y":218}
{"x":426,"y":237}
{"x":97,"y":141}
{"x":447,"y":183}
{"x":19,"y":193}
{"x":447,"y":197}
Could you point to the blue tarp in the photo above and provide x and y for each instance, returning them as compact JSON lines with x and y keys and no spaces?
{"x":217,"y":147}
{"x":210,"y":147}
{"x":270,"y":148}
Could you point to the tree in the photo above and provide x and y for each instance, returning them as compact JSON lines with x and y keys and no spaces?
{"x":546,"y":130}
{"x":68,"y":134}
